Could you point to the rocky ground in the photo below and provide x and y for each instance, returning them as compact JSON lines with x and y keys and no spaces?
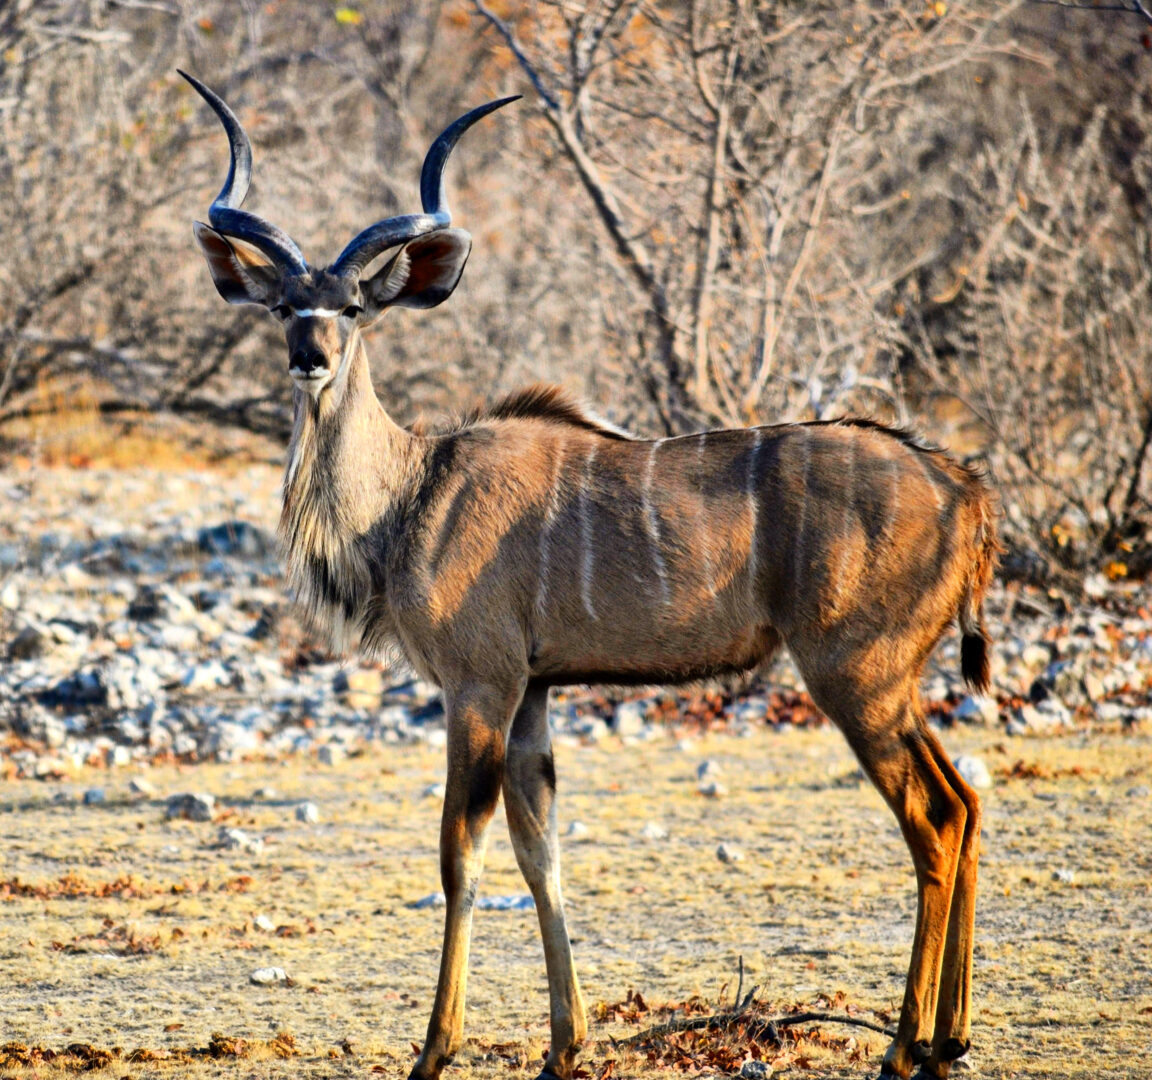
{"x":144,"y":617}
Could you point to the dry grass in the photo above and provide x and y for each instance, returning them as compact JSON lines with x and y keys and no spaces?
{"x":820,"y":910}
{"x":62,"y":425}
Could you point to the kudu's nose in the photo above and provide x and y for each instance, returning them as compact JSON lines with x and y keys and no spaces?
{"x":308,"y":361}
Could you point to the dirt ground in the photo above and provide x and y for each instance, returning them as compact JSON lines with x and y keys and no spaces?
{"x":149,"y":941}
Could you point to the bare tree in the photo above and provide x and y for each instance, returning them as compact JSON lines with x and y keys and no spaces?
{"x":717,"y":212}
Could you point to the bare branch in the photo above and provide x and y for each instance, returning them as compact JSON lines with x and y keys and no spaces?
{"x":1135,"y":7}
{"x":506,"y":32}
{"x":713,"y":210}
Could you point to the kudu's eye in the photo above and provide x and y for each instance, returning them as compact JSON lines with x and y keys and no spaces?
{"x":281,"y":311}
{"x":352,"y":311}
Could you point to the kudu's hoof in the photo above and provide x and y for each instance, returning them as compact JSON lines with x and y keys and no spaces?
{"x":423,"y":1071}
{"x":919,"y":1052}
{"x":954,"y":1049}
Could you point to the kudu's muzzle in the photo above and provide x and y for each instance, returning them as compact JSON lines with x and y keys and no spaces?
{"x":307,"y":362}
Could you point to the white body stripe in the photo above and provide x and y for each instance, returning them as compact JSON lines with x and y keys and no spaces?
{"x":702,"y":526}
{"x":799,"y":566}
{"x":921,"y":460}
{"x":652,"y":523}
{"x":750,"y":489}
{"x":840,"y":550}
{"x":894,"y":478}
{"x":587,"y":551}
{"x":550,"y":510}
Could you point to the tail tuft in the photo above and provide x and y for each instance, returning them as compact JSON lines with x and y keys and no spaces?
{"x":974,"y":660}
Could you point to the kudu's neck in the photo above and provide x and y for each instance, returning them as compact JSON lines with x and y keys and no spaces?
{"x":348,"y":460}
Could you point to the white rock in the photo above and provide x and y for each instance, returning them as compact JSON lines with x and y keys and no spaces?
{"x":756,"y":1070}
{"x":751,"y":711}
{"x":228,"y":740}
{"x":653,"y":831}
{"x":177,"y":637}
{"x":77,"y":578}
{"x":628,"y":718}
{"x":436,"y":737}
{"x":591,"y":728}
{"x":973,"y":770}
{"x":1036,"y":656}
{"x":977,"y":709}
{"x":193,"y":806}
{"x":47,"y":767}
{"x":264,"y":924}
{"x":55,"y":733}
{"x":308,"y":812}
{"x":62,"y":633}
{"x":1096,"y":586}
{"x":269,"y":976}
{"x":1056,"y":714}
{"x":1032,"y":718}
{"x":729,"y":853}
{"x":1064,"y":875}
{"x":577,"y":830}
{"x":506,"y":903}
{"x":712,"y":789}
{"x":139,"y":786}
{"x":207,"y":676}
{"x":94,"y":796}
{"x":117,"y":756}
{"x":1094,"y":686}
{"x":434,"y":791}
{"x":708,"y":770}
{"x":238,"y":840}
{"x":432,"y":900}
{"x":183,"y":744}
{"x":330,"y":754}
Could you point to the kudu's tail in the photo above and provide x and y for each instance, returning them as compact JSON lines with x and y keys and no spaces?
{"x":974,"y":664}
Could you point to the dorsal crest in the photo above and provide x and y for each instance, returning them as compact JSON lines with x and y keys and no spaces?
{"x":550,"y":404}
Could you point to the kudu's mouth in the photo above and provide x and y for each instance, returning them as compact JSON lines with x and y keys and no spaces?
{"x":311,"y":380}
{"x":311,"y":367}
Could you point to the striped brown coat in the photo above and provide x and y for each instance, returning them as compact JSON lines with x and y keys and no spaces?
{"x":532,"y":546}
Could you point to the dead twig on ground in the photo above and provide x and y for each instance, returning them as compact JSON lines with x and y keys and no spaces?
{"x":744,"y":1015}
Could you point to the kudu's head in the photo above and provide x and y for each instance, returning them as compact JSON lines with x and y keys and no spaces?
{"x":323,"y":309}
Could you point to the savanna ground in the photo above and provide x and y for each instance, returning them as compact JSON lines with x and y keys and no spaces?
{"x":127,"y":941}
{"x":124,"y":930}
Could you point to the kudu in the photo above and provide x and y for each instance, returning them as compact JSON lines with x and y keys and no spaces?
{"x":533,"y":546}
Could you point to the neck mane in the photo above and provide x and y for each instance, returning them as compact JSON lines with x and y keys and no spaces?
{"x":348,"y":468}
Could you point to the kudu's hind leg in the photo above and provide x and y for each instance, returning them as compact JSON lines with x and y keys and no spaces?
{"x":901,"y":756}
{"x":952,"y":1035}
{"x":530,"y":804}
{"x":476,"y":725}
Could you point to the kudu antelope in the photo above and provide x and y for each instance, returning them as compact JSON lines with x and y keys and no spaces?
{"x":533,"y":546}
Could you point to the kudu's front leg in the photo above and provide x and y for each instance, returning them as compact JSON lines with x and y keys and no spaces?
{"x":477,"y":721}
{"x":530,"y":803}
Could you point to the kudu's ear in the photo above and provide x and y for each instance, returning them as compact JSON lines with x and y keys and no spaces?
{"x":242,"y":276}
{"x":422,"y":274}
